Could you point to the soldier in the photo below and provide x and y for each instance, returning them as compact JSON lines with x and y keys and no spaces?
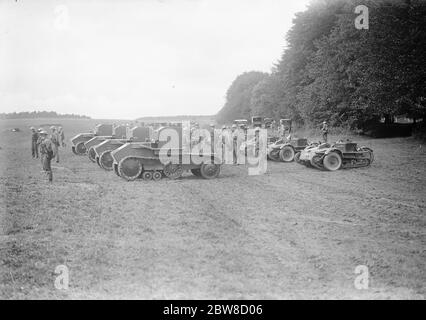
{"x":257,"y":141}
{"x":39,"y":139}
{"x":210,"y":140}
{"x":34,"y":146}
{"x":55,"y":140}
{"x":234,"y":129}
{"x":324,"y":130}
{"x":47,"y":152}
{"x":285,"y":129}
{"x":61,"y":135}
{"x":273,"y":127}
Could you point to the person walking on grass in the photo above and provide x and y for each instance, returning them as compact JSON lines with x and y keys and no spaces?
{"x":324,"y":130}
{"x":34,"y":146}
{"x":47,"y":152}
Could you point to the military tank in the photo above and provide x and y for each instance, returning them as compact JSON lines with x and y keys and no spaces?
{"x":104,"y":149}
{"x":136,"y":160}
{"x":78,"y":142}
{"x":341,"y":155}
{"x":119,"y":131}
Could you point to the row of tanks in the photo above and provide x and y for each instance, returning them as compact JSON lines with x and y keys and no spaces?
{"x":135,"y":153}
{"x":323,"y":156}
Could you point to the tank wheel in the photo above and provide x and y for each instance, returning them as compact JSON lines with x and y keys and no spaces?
{"x":316,"y":162}
{"x":97,"y":161}
{"x":274,"y":155}
{"x":106,"y":161}
{"x":80,"y":148}
{"x":92,"y":154}
{"x":73,"y":150}
{"x":157,"y":175}
{"x":147,"y":175}
{"x":196,"y":172}
{"x":130,"y":168}
{"x":332,"y":161}
{"x":297,"y":157}
{"x":173,"y":171}
{"x":209,"y":171}
{"x":287,"y":154}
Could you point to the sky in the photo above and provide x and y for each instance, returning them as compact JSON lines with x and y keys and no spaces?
{"x":128,"y":59}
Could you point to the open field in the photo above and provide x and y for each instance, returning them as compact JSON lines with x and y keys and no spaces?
{"x":291,"y":233}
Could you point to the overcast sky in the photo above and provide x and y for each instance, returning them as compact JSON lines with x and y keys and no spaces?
{"x":126,"y":59}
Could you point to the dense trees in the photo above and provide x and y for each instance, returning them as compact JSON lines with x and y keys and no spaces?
{"x":332,"y":70}
{"x":238,"y":96}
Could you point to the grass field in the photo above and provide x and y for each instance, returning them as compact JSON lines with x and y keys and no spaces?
{"x":291,"y":233}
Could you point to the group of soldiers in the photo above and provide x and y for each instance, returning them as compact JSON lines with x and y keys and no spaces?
{"x":285,"y":131}
{"x":236,"y":132}
{"x":47,"y":146}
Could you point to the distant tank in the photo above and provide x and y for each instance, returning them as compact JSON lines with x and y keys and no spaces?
{"x":78,"y":142}
{"x":104,"y":149}
{"x":141,"y":160}
{"x":341,"y":155}
{"x":119,"y":131}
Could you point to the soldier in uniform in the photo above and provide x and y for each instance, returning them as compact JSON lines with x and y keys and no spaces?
{"x":39,"y":140}
{"x":61,"y":135}
{"x":285,"y":130}
{"x":34,"y":146}
{"x":47,"y":152}
{"x":235,"y":131}
{"x":324,"y":130}
{"x":56,"y":142}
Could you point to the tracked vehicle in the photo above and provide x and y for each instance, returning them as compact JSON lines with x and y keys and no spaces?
{"x":78,"y":142}
{"x":119,"y":131}
{"x":286,"y":150}
{"x":142,"y":160}
{"x":341,"y":155}
{"x":104,"y":149}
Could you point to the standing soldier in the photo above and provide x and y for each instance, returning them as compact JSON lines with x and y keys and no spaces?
{"x":47,"y":154}
{"x":211,"y":140}
{"x":34,"y":146}
{"x":273,"y":127}
{"x":61,"y":137}
{"x":285,"y":129}
{"x":234,"y":129}
{"x":324,"y":130}
{"x":38,"y":139}
{"x":55,"y":141}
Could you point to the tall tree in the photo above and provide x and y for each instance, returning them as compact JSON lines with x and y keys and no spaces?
{"x":239,"y":95}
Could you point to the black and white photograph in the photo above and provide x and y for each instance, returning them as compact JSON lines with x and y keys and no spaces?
{"x":240,"y":151}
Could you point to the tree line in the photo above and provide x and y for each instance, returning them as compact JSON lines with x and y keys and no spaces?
{"x":331,"y":70}
{"x":40,"y":114}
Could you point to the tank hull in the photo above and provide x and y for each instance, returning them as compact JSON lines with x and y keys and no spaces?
{"x":132,"y":160}
{"x":78,"y":141}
